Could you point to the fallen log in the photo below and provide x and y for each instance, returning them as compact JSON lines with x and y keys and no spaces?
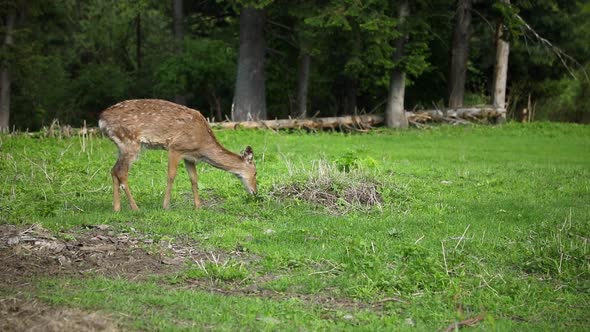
{"x":349,"y":121}
{"x":486,"y":114}
{"x":366,"y":121}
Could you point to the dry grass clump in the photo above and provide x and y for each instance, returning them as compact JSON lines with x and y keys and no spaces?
{"x":338,"y":191}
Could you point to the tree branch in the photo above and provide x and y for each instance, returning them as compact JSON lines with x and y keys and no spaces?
{"x":561,"y":55}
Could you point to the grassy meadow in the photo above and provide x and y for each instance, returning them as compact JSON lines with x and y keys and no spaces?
{"x":484,"y":227}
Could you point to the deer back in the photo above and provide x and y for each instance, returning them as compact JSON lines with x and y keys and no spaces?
{"x":157,"y":124}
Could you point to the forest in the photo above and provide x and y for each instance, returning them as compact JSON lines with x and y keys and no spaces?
{"x":275,"y":59}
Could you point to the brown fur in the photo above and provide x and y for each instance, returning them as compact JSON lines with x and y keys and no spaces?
{"x":182,"y":131}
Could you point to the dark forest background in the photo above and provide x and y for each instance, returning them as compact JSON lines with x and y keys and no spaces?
{"x":68,"y":60}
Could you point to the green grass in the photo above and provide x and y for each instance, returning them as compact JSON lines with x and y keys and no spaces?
{"x":474,"y":220}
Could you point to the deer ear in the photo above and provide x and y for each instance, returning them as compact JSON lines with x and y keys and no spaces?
{"x":248,"y":155}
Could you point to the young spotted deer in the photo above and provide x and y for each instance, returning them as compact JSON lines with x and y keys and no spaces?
{"x":182,"y":131}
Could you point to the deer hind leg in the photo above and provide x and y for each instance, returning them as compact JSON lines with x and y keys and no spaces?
{"x":192,"y":173}
{"x":127,"y":154}
{"x":116,"y":185}
{"x":173,"y":160}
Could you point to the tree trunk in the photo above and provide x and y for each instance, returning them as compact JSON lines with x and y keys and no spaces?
{"x":138,"y":40}
{"x":395,"y":115}
{"x":459,"y":54}
{"x":302,"y":85}
{"x":5,"y":79}
{"x":501,"y":68}
{"x":350,"y":89}
{"x":218,"y":113}
{"x":351,"y":80}
{"x":250,"y":92}
{"x":178,"y":27}
{"x":178,"y":40}
{"x":214,"y":104}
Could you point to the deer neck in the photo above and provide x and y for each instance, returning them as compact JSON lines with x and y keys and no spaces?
{"x":224,"y":159}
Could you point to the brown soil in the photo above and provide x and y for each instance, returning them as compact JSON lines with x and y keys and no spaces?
{"x":18,"y":314}
{"x":34,"y":251}
{"x":29,"y":252}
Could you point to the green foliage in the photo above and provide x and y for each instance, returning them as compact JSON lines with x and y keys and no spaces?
{"x":101,"y":84}
{"x":48,"y":87}
{"x":354,"y":160}
{"x":567,"y":99}
{"x":72,"y":59}
{"x":372,"y":27}
{"x":508,"y":15}
{"x":213,"y":73}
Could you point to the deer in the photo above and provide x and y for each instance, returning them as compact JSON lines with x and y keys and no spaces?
{"x":184,"y":132}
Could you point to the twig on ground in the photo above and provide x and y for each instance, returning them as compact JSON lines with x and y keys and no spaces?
{"x":444,"y":257}
{"x":465,"y":323}
{"x":462,"y":237}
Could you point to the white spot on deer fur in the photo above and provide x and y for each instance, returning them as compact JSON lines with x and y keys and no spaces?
{"x":115,"y":139}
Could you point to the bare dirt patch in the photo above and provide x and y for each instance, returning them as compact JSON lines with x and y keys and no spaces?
{"x":33,"y":251}
{"x":29,"y":252}
{"x":18,"y":314}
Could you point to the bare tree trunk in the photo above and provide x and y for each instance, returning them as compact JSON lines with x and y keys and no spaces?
{"x":5,"y":79}
{"x":459,"y":54}
{"x":178,"y":17}
{"x":395,"y":115}
{"x":250,"y":93}
{"x":302,"y":85}
{"x":501,"y":68}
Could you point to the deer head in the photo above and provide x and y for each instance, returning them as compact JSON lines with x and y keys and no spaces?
{"x":248,"y":172}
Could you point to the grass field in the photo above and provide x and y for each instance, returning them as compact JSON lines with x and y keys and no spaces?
{"x":466,"y":227}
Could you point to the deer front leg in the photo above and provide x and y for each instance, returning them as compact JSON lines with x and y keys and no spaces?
{"x":173,"y":160}
{"x":192,"y":173}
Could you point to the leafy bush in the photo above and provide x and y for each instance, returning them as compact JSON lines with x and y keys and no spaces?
{"x":98,"y":87}
{"x":567,"y":100}
{"x":353,"y":160}
{"x":204,"y":80}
